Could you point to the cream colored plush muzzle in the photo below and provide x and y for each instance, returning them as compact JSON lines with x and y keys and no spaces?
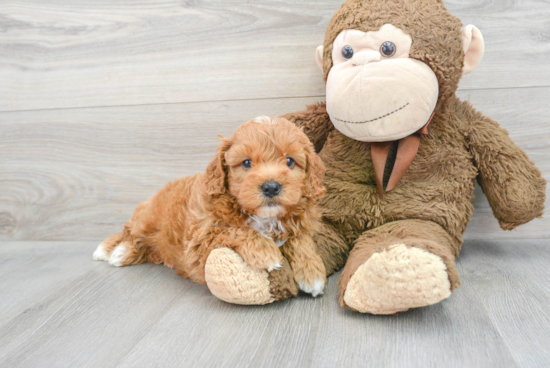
{"x":374,"y":101}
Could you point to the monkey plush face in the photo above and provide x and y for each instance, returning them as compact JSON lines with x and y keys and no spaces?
{"x":375,"y":92}
{"x":389,"y":64}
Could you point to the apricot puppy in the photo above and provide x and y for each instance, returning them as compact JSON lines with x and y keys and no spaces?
{"x":258,"y":197}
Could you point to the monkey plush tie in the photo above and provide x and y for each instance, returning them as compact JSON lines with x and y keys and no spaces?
{"x":406,"y":152}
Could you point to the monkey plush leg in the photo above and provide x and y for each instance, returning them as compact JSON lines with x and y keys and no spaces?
{"x":230,"y":279}
{"x":398,"y":266}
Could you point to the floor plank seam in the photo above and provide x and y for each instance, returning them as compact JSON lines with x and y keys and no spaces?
{"x":466,"y":275}
{"x":264,"y":331}
{"x":316,"y":325}
{"x":163,"y":103}
{"x":322,"y":97}
{"x":147,"y":329}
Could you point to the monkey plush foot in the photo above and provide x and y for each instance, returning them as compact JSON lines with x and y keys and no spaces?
{"x":397,"y":279}
{"x":230,"y":279}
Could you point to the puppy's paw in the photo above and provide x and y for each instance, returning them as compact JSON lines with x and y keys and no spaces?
{"x":310,"y":274}
{"x":273,"y":265}
{"x":118,"y":255}
{"x":101,"y":253}
{"x":266,"y":258}
{"x":267,"y":262}
{"x":314,"y":288}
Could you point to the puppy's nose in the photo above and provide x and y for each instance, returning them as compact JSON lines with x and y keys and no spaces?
{"x":271,"y":188}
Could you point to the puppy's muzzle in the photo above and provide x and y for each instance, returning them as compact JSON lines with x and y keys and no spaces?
{"x":271,"y":189}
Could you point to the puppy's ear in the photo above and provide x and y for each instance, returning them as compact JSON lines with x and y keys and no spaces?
{"x":216,"y":172}
{"x":315,"y":173}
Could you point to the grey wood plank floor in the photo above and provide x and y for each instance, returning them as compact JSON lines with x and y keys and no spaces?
{"x":60,"y":309}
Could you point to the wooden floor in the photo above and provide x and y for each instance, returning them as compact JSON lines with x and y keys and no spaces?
{"x":104,"y":101}
{"x":60,"y":309}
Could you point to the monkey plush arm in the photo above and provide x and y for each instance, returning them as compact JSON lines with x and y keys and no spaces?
{"x":315,"y":123}
{"x":513,"y":185}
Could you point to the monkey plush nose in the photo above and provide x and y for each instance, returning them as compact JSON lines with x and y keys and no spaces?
{"x":271,"y":188}
{"x":365,"y":57}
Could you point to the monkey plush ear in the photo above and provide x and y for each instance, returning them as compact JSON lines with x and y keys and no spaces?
{"x":472,"y":41}
{"x":319,"y":57}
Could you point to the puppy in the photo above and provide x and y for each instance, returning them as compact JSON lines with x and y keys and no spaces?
{"x":259,"y":197}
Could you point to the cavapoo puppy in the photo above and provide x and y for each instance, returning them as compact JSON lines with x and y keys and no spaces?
{"x":258,"y":197}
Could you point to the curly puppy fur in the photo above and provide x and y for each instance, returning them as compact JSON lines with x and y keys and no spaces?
{"x":225,"y":207}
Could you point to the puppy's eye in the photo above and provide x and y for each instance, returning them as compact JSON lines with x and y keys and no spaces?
{"x":247,"y":164}
{"x":347,"y":52}
{"x":290,"y":162}
{"x":388,"y":49}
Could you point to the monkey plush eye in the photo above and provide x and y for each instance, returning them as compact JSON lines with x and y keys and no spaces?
{"x":290,"y":162}
{"x":347,"y":52}
{"x":388,"y":49}
{"x":247,"y":164}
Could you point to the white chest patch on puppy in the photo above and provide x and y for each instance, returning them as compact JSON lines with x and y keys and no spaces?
{"x":266,"y":226}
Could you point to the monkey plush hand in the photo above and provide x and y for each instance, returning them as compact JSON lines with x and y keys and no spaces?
{"x":403,"y":153}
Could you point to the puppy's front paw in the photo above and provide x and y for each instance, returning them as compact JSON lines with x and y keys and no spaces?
{"x":310,"y":274}
{"x":273,"y":265}
{"x":314,"y":288}
{"x":263,"y":258}
{"x":267,"y":262}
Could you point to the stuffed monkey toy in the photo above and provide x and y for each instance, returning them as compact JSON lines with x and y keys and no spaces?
{"x":402,"y":156}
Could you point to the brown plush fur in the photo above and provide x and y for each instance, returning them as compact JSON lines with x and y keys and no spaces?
{"x":281,"y":283}
{"x":187,"y":219}
{"x":431,"y":206}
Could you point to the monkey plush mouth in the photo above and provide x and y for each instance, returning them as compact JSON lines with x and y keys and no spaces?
{"x":378,"y":118}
